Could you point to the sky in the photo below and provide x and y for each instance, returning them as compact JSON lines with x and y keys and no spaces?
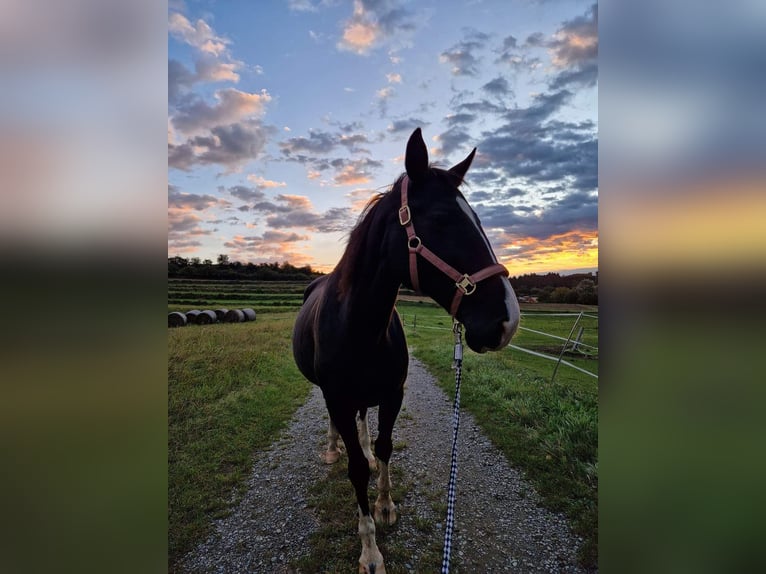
{"x":285,"y":117}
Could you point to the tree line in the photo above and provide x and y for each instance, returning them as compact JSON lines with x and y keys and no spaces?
{"x":545,"y":288}
{"x":554,"y":288}
{"x":196,"y":268}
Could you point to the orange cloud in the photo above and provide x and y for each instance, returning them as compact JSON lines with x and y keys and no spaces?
{"x":567,"y":251}
{"x":361,"y":32}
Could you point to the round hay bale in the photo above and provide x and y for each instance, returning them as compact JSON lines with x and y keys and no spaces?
{"x":234,"y":316}
{"x":221,"y":314}
{"x":206,"y":317}
{"x":191,"y":316}
{"x":249,"y":314}
{"x":176,"y":319}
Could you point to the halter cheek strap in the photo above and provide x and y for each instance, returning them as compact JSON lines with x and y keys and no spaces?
{"x":465,"y":284}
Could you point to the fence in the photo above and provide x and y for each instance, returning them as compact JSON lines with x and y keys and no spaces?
{"x":572,"y":344}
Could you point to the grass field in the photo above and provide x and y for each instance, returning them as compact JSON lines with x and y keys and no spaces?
{"x":231,"y":389}
{"x":262,"y":296}
{"x":223,"y":379}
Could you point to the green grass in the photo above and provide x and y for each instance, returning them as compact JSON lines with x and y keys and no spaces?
{"x":549,"y":430}
{"x":231,"y":389}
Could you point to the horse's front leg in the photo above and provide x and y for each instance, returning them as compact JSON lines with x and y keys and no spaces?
{"x":385,"y":509}
{"x":371,"y":560}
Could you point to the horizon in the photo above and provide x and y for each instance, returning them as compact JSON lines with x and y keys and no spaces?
{"x":582,"y":271}
{"x":284,"y":119}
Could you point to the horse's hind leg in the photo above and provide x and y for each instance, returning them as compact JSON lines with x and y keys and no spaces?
{"x":371,"y":560}
{"x":364,"y":439}
{"x":385,"y":509}
{"x":332,"y":454}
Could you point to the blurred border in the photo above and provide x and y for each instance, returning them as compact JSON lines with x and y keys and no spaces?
{"x":83,"y":120}
{"x":83,"y":180}
{"x":682,"y":180}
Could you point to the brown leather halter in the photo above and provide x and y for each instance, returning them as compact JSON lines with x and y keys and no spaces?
{"x":465,"y":284}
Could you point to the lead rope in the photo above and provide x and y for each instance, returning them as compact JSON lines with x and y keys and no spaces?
{"x":458,"y":366}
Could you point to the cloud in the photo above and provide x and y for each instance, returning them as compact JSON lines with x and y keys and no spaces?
{"x":498,"y":87}
{"x":394,"y":78}
{"x":181,"y":79}
{"x":574,"y":49}
{"x":198,"y":35}
{"x":576,"y":210}
{"x":576,"y":42}
{"x":302,"y":6}
{"x":247,"y":193}
{"x":262,"y":183}
{"x":185,"y":201}
{"x":373,"y":23}
{"x":272,"y":245}
{"x":461,"y":55}
{"x":231,"y":106}
{"x":453,"y":139}
{"x":316,"y":142}
{"x":312,"y":152}
{"x":567,"y":250}
{"x":230,"y":146}
{"x":407,"y":125}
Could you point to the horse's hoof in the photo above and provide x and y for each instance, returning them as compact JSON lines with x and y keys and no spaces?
{"x":330,"y":456}
{"x":385,"y":515}
{"x":371,"y":568}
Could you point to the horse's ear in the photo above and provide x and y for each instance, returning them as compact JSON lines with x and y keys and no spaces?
{"x":461,"y":168}
{"x":416,"y":158}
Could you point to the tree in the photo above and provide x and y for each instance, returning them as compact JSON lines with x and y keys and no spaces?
{"x":560,"y":295}
{"x":223,"y":259}
{"x":586,"y":292}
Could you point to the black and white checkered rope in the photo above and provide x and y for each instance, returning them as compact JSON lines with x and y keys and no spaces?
{"x":458,"y":365}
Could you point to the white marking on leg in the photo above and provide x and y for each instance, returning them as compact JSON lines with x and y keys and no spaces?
{"x":332,"y":454}
{"x":364,"y":441}
{"x":385,"y":509}
{"x":370,"y":553}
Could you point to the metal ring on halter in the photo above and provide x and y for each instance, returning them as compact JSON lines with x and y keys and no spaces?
{"x":466,"y":285}
{"x":417,"y":241}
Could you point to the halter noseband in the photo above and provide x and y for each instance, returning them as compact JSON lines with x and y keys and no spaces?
{"x":465,"y":284}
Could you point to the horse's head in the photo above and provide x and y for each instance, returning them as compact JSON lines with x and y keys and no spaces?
{"x":450,"y":258}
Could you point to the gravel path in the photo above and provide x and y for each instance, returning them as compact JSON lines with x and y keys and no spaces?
{"x":500,"y":526}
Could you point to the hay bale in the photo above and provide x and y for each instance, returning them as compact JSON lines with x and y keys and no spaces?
{"x":221,"y":314}
{"x":249,"y":314}
{"x":206,"y":317}
{"x":191,"y":316}
{"x":234,"y":316}
{"x":176,"y":319}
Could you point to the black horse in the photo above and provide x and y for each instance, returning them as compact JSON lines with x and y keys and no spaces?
{"x":348,"y":337}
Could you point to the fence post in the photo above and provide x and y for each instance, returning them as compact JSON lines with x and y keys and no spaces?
{"x":564,"y":346}
{"x":415,"y":323}
{"x":578,"y":339}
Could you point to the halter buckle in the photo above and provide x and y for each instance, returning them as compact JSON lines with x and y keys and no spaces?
{"x":466,"y":285}
{"x":404,"y":215}
{"x":414,"y":243}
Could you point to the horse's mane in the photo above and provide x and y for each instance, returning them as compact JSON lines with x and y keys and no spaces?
{"x":350,"y":262}
{"x":359,"y":237}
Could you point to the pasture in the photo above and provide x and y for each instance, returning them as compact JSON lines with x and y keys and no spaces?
{"x":233,"y":387}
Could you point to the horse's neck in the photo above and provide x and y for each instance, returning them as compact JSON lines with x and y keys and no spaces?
{"x":370,"y":303}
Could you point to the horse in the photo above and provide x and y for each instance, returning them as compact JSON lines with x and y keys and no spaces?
{"x":348,"y":338}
